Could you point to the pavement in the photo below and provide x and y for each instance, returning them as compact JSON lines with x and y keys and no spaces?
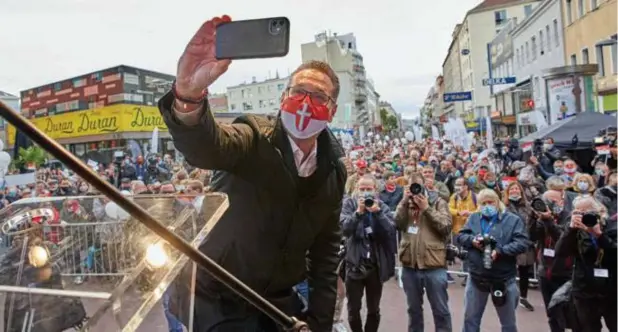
{"x":393,"y":309}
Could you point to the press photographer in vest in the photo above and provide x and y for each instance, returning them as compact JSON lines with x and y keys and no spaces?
{"x":493,"y":237}
{"x":591,"y":240}
{"x":284,"y":180}
{"x":370,"y":252}
{"x":424,"y":218}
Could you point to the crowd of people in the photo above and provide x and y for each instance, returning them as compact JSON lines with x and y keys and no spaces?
{"x":500,"y":214}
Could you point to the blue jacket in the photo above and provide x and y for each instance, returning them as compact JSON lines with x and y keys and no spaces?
{"x":381,"y":242}
{"x":512,"y":240}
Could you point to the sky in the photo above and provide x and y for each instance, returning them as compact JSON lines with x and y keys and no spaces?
{"x":403,"y":42}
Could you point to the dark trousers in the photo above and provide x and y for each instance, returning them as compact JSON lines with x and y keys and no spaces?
{"x":590,"y":312}
{"x":355,"y":288}
{"x":548,"y":288}
{"x":524,"y":279}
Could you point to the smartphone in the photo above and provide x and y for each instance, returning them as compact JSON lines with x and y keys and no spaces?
{"x":253,"y":39}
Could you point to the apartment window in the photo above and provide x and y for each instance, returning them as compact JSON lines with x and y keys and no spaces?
{"x":97,"y":77}
{"x":247,"y":106}
{"x":262,"y":103}
{"x":243,"y":93}
{"x":534,"y":49}
{"x":547,"y":33}
{"x":271,"y":102}
{"x":585,"y":58}
{"x":556,"y":33}
{"x":79,"y":82}
{"x":233,"y":107}
{"x":527,"y":10}
{"x":581,"y":10}
{"x":573,"y":59}
{"x":593,"y":5}
{"x":500,"y":17}
{"x":280,"y":87}
{"x":517,"y":56}
{"x":527,"y":52}
{"x":569,"y":12}
{"x":541,"y":42}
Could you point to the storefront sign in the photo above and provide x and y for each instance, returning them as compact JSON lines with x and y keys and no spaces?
{"x":564,"y":95}
{"x":105,"y":120}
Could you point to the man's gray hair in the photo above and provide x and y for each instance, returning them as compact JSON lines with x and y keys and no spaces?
{"x":370,"y":178}
{"x":597,"y":206}
{"x":555,"y":183}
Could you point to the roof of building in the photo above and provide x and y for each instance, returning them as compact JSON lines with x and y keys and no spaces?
{"x":7,"y":95}
{"x":494,"y":4}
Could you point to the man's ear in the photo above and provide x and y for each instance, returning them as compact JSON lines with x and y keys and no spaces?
{"x":332,"y":113}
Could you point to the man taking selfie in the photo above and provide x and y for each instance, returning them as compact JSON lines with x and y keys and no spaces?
{"x":284,"y":181}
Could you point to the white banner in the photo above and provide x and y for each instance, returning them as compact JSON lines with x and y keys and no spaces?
{"x":20,"y":179}
{"x":435,"y":134}
{"x":490,"y":135}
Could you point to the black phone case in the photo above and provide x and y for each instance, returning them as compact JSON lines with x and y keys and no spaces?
{"x":253,"y":39}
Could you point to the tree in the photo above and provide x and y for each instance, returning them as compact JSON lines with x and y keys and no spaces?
{"x":389,"y":122}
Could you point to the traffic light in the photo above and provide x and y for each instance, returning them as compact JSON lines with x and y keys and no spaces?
{"x":527,"y":104}
{"x":530,"y":104}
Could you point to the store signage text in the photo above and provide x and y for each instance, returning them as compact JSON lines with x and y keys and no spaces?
{"x":141,"y":119}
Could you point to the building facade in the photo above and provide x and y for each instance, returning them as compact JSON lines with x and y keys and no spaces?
{"x":451,"y":71}
{"x":99,"y":113}
{"x":529,"y":50}
{"x":13,"y":102}
{"x":373,"y":101}
{"x":480,"y":26}
{"x":341,"y":52}
{"x":257,"y":97}
{"x":590,"y":37}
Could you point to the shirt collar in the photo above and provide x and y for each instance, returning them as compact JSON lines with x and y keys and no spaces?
{"x":297,"y":151}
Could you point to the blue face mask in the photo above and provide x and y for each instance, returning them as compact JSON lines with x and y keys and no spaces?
{"x":489,"y":211}
{"x":472,"y":180}
{"x":491,"y":184}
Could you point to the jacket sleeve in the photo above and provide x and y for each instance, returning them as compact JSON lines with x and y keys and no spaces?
{"x":452,"y":207}
{"x":443,"y":191}
{"x":519,"y":240}
{"x":322,"y":262}
{"x":402,"y":214}
{"x":466,"y":233}
{"x":566,"y":246}
{"x":384,"y":224}
{"x":553,"y":155}
{"x":350,"y":222}
{"x":439,"y":218}
{"x":207,"y":144}
{"x":542,"y":172}
{"x":554,"y":230}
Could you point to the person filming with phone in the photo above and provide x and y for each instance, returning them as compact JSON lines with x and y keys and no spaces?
{"x":284,"y":180}
{"x":425,"y":221}
{"x":591,"y":240}
{"x":370,"y":252}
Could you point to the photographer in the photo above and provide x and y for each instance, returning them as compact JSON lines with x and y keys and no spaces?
{"x":514,"y":153}
{"x":494,"y":238}
{"x":425,"y":220}
{"x":369,"y":261}
{"x":591,"y":240}
{"x":549,"y":155}
{"x":553,"y":271}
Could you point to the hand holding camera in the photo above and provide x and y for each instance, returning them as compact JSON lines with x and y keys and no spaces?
{"x":487,"y":243}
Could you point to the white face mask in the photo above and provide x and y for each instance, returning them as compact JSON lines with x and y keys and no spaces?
{"x":302,"y":124}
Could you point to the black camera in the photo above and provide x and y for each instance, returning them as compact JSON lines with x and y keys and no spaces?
{"x":416,"y":189}
{"x":369,"y":201}
{"x":489,"y":243}
{"x":453,"y":252}
{"x":590,"y":219}
{"x":539,"y":205}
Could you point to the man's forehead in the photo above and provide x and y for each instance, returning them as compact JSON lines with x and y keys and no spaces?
{"x":313,"y":80}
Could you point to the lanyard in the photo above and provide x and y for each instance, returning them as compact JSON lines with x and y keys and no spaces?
{"x":487,"y":229}
{"x":600,"y":252}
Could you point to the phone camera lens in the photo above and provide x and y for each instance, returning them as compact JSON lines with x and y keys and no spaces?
{"x":276,"y":26}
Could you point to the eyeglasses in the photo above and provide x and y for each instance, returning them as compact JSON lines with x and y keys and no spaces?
{"x":317,"y":98}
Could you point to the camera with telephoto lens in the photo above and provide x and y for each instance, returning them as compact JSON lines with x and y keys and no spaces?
{"x":118,"y":157}
{"x":488,"y":243}
{"x":590,"y":219}
{"x":369,"y":201}
{"x":499,"y":146}
{"x":416,"y":189}
{"x":453,"y":252}
{"x":539,"y":205}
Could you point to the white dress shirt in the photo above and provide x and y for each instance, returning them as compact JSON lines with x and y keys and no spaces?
{"x":310,"y":164}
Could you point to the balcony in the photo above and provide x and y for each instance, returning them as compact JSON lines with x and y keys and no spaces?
{"x":360,"y":96}
{"x":358,"y":69}
{"x":360,"y":82}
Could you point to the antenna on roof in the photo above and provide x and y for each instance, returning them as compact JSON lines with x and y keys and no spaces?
{"x":277,"y":74}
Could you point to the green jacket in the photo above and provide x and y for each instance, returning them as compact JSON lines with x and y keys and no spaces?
{"x":278,"y":230}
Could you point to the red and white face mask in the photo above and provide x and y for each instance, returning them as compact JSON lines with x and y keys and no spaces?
{"x":301,"y":118}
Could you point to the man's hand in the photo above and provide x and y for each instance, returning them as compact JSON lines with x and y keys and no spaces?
{"x":421,"y":202}
{"x":576,"y":222}
{"x":464,"y":213}
{"x":375,"y":207}
{"x":546,"y":216}
{"x":361,"y":206}
{"x":494,"y":255}
{"x":595,"y":230}
{"x":534,"y":161}
{"x":476,"y":243}
{"x":198,"y":68}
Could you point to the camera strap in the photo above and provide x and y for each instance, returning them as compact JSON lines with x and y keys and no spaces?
{"x":486,"y":227}
{"x":600,"y":252}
